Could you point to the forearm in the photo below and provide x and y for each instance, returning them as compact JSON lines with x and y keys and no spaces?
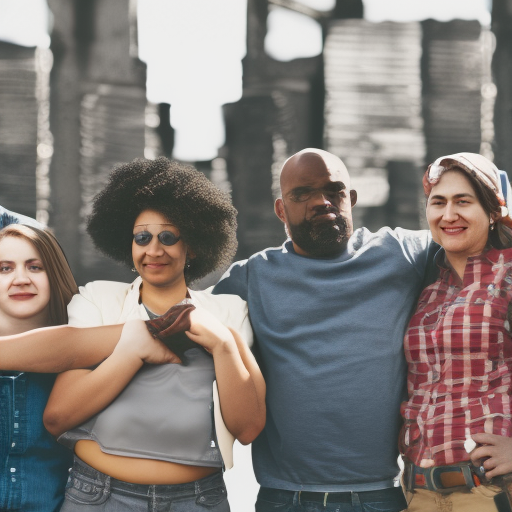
{"x":80,"y":394}
{"x":241,"y":390}
{"x":57,"y":349}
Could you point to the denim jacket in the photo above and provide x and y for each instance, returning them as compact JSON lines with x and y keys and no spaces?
{"x":33,"y":466}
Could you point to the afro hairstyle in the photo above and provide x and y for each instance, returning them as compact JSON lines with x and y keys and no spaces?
{"x":204,"y":214}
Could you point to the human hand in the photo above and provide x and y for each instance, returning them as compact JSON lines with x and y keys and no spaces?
{"x":137,"y":340}
{"x":207,"y":331}
{"x":494,"y":454}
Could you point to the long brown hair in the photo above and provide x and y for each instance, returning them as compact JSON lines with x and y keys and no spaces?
{"x":56,"y":266}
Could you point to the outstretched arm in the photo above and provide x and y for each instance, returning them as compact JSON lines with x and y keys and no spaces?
{"x":56,"y":349}
{"x":80,"y":394}
{"x":239,"y":379}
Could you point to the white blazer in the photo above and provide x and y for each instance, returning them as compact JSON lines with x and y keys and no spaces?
{"x":110,"y":302}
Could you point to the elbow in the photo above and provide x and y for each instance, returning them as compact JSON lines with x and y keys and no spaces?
{"x":53,"y":422}
{"x":251,"y":431}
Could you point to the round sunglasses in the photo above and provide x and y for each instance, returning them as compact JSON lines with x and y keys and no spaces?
{"x":165,"y":237}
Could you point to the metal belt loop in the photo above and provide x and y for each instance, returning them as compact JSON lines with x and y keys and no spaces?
{"x":300,"y":492}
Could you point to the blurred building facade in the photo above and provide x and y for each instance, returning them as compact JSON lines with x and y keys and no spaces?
{"x":388,"y":98}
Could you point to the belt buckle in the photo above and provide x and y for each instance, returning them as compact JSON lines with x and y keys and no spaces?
{"x":434,"y":483}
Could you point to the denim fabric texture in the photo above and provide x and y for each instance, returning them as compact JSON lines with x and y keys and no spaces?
{"x":89,"y":488}
{"x":278,"y":500}
{"x":34,"y":468}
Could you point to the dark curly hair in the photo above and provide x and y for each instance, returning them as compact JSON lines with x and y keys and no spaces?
{"x":203,"y":213}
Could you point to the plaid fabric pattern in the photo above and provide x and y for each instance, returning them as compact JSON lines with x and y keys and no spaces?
{"x":459,"y":351}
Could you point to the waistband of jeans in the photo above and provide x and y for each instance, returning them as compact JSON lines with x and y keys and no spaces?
{"x":388,"y":494}
{"x":196,"y":486}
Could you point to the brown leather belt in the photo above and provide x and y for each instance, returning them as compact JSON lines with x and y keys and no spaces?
{"x":442,"y":479}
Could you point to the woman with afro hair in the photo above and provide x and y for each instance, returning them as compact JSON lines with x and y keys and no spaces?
{"x":157,"y":436}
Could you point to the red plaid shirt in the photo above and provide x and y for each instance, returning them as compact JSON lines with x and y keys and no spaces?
{"x":459,"y":350}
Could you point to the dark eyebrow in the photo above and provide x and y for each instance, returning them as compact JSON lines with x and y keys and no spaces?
{"x":456,"y":196}
{"x":28,"y":261}
{"x":337,"y":185}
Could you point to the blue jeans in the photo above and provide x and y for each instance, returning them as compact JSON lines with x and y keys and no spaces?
{"x":278,"y":500}
{"x":89,"y":488}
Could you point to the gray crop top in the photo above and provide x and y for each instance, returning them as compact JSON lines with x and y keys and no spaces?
{"x":165,"y":413}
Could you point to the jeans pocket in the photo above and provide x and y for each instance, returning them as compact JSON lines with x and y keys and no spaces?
{"x":86,"y":491}
{"x":273,"y":502}
{"x":212,"y":497}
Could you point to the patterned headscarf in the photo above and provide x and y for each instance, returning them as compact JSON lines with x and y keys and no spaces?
{"x":478,"y":166}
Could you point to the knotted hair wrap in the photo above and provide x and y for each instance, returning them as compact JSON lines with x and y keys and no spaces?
{"x":479,"y":167}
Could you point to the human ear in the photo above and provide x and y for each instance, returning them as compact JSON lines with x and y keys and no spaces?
{"x":279,"y":209}
{"x":353,"y":197}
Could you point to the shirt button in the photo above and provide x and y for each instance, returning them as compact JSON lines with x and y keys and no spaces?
{"x":13,"y":470}
{"x":13,"y":445}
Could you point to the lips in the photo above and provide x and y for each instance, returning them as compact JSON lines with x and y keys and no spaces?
{"x":155,"y":266}
{"x":22,"y":296}
{"x":454,"y":230}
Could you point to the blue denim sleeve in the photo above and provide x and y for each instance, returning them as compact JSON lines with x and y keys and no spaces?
{"x":234,"y":281}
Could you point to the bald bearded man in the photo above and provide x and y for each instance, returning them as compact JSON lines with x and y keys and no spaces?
{"x":329,"y":310}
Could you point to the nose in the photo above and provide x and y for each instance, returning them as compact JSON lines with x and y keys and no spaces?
{"x":21,"y":277}
{"x":155,"y":247}
{"x":450,"y":213}
{"x":320,"y":197}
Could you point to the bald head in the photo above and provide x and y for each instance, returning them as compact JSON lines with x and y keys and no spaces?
{"x":306,"y":164}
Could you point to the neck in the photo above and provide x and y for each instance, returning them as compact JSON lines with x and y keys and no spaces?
{"x":161,"y":299}
{"x":458,"y":264}
{"x":10,"y":326}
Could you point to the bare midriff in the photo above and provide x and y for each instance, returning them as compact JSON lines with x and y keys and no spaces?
{"x":139,"y":471}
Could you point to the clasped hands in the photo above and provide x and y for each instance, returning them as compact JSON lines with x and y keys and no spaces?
{"x":182,"y":327}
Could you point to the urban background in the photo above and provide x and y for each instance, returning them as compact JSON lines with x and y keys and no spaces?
{"x":387,"y":97}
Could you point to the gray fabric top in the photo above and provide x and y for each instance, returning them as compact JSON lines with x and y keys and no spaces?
{"x":173,"y":402}
{"x":330,"y":334}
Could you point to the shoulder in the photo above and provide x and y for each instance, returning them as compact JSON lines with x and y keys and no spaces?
{"x":416,"y":241}
{"x":236,"y":279}
{"x":105,"y":290}
{"x":102,"y":302}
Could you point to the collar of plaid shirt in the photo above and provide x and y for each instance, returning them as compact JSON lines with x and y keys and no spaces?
{"x":459,"y":352}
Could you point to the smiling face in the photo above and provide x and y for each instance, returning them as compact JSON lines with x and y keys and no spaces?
{"x":159,"y":265}
{"x":456,"y":218}
{"x":316,"y":203}
{"x":24,"y":285}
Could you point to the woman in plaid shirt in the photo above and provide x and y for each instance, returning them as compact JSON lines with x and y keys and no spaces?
{"x":456,"y":438}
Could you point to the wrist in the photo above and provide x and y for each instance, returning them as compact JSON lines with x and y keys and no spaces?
{"x":224,"y":346}
{"x":127,"y":355}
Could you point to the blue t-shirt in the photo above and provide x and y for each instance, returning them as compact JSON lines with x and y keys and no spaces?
{"x":329,"y":334}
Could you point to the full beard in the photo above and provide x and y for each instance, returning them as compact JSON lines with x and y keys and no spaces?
{"x":324,"y":239}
